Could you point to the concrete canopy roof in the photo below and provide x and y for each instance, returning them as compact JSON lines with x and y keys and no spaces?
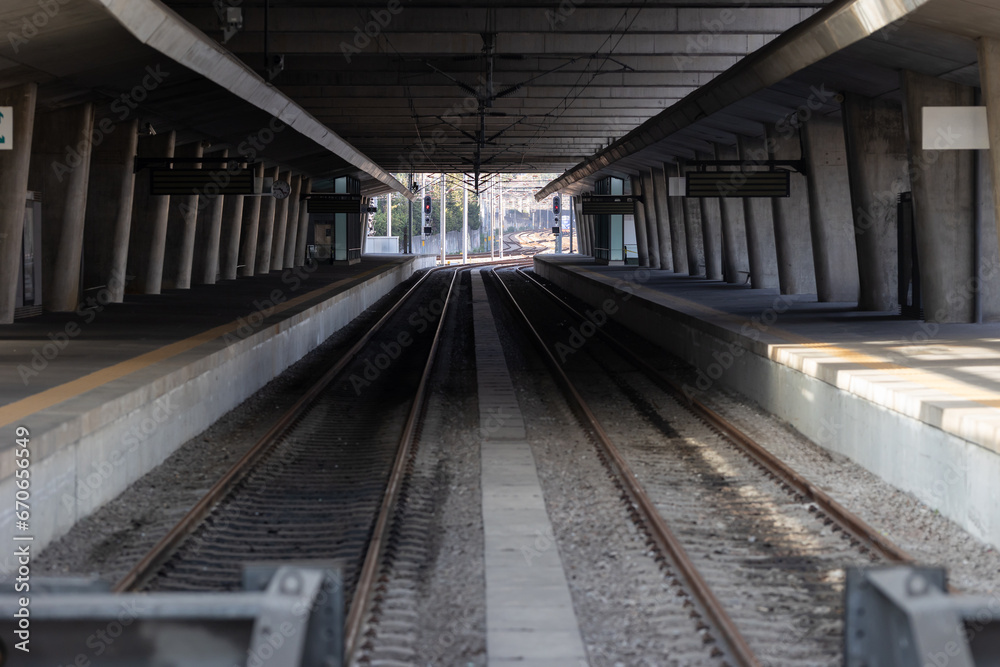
{"x":853,"y":46}
{"x":567,"y":77}
{"x":138,"y":58}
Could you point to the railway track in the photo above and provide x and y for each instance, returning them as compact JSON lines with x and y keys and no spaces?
{"x":760,"y":550}
{"x":517,"y":244}
{"x":325,"y":481}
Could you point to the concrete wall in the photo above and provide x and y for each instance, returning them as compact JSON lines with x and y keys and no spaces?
{"x":81,"y":463}
{"x":949,"y":473}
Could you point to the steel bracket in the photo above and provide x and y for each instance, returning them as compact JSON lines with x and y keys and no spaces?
{"x":901,"y":616}
{"x":289,"y":615}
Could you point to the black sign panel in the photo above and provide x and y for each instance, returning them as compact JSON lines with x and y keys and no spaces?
{"x":334,"y":203}
{"x":738,"y":184}
{"x":200,"y":181}
{"x":610,"y":204}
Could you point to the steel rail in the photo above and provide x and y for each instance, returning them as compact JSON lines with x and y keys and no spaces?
{"x":738,"y":648}
{"x":858,"y":527}
{"x":146,"y":568}
{"x":369,"y":571}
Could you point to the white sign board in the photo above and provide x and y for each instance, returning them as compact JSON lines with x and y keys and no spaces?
{"x":676,"y":186}
{"x":952,"y":128}
{"x":6,"y":128}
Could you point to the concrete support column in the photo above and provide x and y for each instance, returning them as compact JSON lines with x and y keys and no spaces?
{"x":14,"y":166}
{"x":292,"y":227}
{"x":735,"y":257}
{"x":673,"y":211}
{"x":281,"y":226}
{"x":303,"y":222}
{"x":581,"y":232}
{"x":943,"y":186}
{"x":649,"y":215}
{"x":148,"y":237}
{"x":831,"y":225}
{"x":989,"y":248}
{"x":62,"y":178}
{"x":265,"y":228}
{"x":182,"y":227}
{"x":989,"y":77}
{"x":109,"y":207}
{"x":877,"y":170}
{"x":711,"y":229}
{"x":669,"y":224}
{"x":641,"y":240}
{"x":588,"y":233}
{"x":793,"y":240}
{"x":229,"y":240}
{"x":760,"y":226}
{"x":251,"y":228}
{"x":208,"y":235}
{"x":692,"y":232}
{"x":711,"y":232}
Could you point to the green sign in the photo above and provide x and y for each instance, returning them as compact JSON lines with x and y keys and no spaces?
{"x":6,"y":128}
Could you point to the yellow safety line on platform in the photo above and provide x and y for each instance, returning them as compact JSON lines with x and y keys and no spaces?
{"x":956,"y":388}
{"x":46,"y":399}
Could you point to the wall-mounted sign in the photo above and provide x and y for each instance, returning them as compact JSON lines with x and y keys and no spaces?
{"x":676,"y":186}
{"x":333,"y":203}
{"x":954,"y":128}
{"x":609,"y":204}
{"x":738,"y":183}
{"x":6,"y":128}
{"x":207,"y":182}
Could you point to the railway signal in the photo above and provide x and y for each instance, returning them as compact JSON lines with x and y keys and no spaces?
{"x":556,"y":206}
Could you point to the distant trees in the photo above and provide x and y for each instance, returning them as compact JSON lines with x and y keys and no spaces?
{"x":453,"y":208}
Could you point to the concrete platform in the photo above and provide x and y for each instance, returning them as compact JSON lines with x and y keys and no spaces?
{"x":916,"y":403}
{"x":529,"y":610}
{"x":108,"y":393}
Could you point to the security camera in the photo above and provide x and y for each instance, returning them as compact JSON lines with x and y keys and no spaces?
{"x":232,"y":22}
{"x":275,"y":66}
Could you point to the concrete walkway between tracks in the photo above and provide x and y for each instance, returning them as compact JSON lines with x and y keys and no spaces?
{"x":529,"y":612}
